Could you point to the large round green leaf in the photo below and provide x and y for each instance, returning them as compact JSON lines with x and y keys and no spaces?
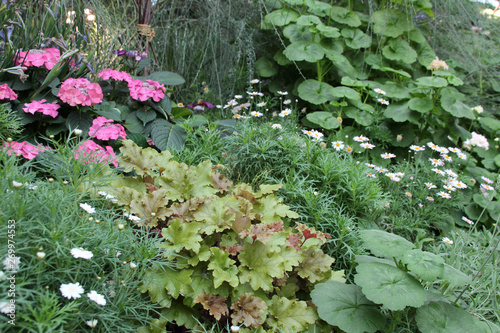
{"x":329,"y":32}
{"x":303,"y":50}
{"x":426,"y":265}
{"x":452,"y":102}
{"x":319,"y":8}
{"x":356,"y":39}
{"x":421,"y":104}
{"x":296,"y":33}
{"x":344,"y":16}
{"x":425,"y":54}
{"x":323,"y":119}
{"x":315,"y":92}
{"x":308,"y":20}
{"x":454,"y":276}
{"x":440,"y":317}
{"x":394,"y":90}
{"x":167,"y":136}
{"x":391,"y":22}
{"x":399,"y":50}
{"x":280,"y":58}
{"x":385,"y":244}
{"x":432,"y":81}
{"x":281,"y":17}
{"x":166,"y":78}
{"x":345,"y":68}
{"x":345,"y":306}
{"x":389,"y":286}
{"x":361,"y":117}
{"x":399,"y":112}
{"x":346,"y":92}
{"x":266,"y":67}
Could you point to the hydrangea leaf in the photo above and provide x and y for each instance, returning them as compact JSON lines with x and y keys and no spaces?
{"x":167,"y":135}
{"x":390,"y":286}
{"x":249,"y":310}
{"x":290,"y":315}
{"x":390,"y":22}
{"x":271,"y":209}
{"x":216,"y":215}
{"x":384,"y":244}
{"x":259,"y":264}
{"x":315,"y":266}
{"x":223,"y":268}
{"x":425,"y":265}
{"x":150,"y":206}
{"x":182,"y":236}
{"x":440,"y":317}
{"x":345,"y":306}
{"x":154,"y":283}
{"x":141,"y":160}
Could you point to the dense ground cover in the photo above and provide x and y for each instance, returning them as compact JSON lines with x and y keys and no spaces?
{"x":365,"y":177}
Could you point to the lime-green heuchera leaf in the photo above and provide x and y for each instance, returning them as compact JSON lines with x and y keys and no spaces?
{"x":179,"y":236}
{"x":389,"y":286}
{"x":345,"y":306}
{"x":150,"y":207}
{"x":384,"y":244}
{"x":270,"y":209}
{"x":315,"y":266}
{"x":141,"y":160}
{"x":216,"y":214}
{"x":223,"y":268}
{"x":290,"y":316}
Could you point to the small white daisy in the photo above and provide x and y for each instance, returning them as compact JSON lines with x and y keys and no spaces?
{"x":285,"y":112}
{"x":256,"y":114}
{"x":387,"y":155}
{"x":283,"y":93}
{"x":95,"y":297}
{"x":416,"y":148}
{"x":444,"y":195}
{"x":430,"y":185}
{"x":92,"y":323}
{"x":288,"y":101}
{"x":338,"y":145}
{"x":379,"y":91}
{"x":383,"y":101}
{"x":71,"y":290}
{"x":261,"y":104}
{"x":447,"y":240}
{"x":277,"y":126}
{"x":81,"y":253}
{"x":254,"y":81}
{"x":489,"y":181}
{"x":367,"y":145}
{"x":86,"y":207}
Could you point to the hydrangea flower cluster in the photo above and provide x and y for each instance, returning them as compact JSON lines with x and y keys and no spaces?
{"x":104,"y":129}
{"x":142,"y":91}
{"x":93,"y":152}
{"x":25,"y":149}
{"x":80,"y":92}
{"x":49,"y":109}
{"x":109,"y":73}
{"x":7,"y":93}
{"x":48,"y":57}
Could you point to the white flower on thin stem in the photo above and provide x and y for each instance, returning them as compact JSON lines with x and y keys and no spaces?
{"x":88,"y":208}
{"x":92,"y":323}
{"x":379,"y":91}
{"x":288,"y":101}
{"x":416,"y":148}
{"x":11,"y":264}
{"x":256,"y":114}
{"x":338,"y":145}
{"x":387,"y":155}
{"x":283,"y":93}
{"x":254,"y":81}
{"x":383,"y":101}
{"x":477,"y":140}
{"x":277,"y":126}
{"x":71,"y":290}
{"x":95,"y":297}
{"x":285,"y":113}
{"x":6,"y":308}
{"x":81,"y":253}
{"x":447,"y":240}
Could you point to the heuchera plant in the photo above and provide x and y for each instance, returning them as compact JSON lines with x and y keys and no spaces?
{"x":232,"y":254}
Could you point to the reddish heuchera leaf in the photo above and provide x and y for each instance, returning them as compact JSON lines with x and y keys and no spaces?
{"x":233,"y":249}
{"x":215,"y":304}
{"x":295,"y":241}
{"x":220,"y":182}
{"x":248,"y":310}
{"x":311,"y":233}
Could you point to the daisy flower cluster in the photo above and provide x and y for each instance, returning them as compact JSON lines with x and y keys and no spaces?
{"x":315,"y":135}
{"x":381,"y":100}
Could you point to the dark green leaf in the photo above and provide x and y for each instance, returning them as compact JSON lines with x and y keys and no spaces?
{"x":440,"y":317}
{"x":166,"y":78}
{"x":323,"y":119}
{"x":80,"y":120}
{"x":167,"y":136}
{"x":266,"y":67}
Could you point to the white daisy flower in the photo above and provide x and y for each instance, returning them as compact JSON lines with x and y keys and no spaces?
{"x":288,"y":101}
{"x":283,"y":93}
{"x":256,"y":114}
{"x":430,"y":185}
{"x":444,"y":195}
{"x":86,"y":207}
{"x":255,"y":81}
{"x":11,"y":264}
{"x":277,"y":126}
{"x":416,"y":148}
{"x":436,"y":162}
{"x":447,"y":240}
{"x":383,"y":101}
{"x":338,"y":145}
{"x":379,"y":91}
{"x":261,"y":104}
{"x":6,"y":307}
{"x":387,"y":155}
{"x":285,"y":112}
{"x":489,"y":181}
{"x":367,"y":145}
{"x":71,"y":290}
{"x":81,"y":253}
{"x":95,"y":297}
{"x":92,"y":323}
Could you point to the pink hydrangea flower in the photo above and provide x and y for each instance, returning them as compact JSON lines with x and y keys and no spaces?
{"x":105,"y":129}
{"x":26,"y":149}
{"x":7,"y":93}
{"x":92,"y":152}
{"x":38,"y":58}
{"x":80,"y":92}
{"x":49,"y":109}
{"x":141,"y":90}
{"x":115,"y":75}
